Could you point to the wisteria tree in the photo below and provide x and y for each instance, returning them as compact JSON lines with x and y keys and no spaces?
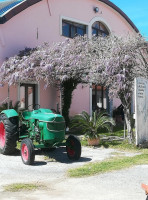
{"x":128,"y":60}
{"x":64,"y":65}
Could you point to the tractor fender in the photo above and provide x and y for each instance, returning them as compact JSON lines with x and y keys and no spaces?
{"x":10,"y":113}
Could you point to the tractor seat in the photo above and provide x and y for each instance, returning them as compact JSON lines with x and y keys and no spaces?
{"x":26,"y":115}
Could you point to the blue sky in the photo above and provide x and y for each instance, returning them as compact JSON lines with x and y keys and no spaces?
{"x":137,"y":11}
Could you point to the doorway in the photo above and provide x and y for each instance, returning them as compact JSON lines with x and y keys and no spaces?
{"x":27,"y":96}
{"x":99,"y":98}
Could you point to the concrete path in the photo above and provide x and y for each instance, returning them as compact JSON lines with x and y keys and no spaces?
{"x":118,"y":185}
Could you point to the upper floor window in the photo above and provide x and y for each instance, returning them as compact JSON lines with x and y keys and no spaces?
{"x":72,"y":29}
{"x":99,"y":29}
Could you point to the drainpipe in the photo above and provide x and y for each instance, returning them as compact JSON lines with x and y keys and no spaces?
{"x":8,"y":97}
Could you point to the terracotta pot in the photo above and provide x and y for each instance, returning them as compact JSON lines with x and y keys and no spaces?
{"x":93,"y":141}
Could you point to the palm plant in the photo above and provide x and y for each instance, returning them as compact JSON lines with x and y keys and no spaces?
{"x":90,"y":125}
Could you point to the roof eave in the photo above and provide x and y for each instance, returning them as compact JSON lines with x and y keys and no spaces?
{"x":16,"y":10}
{"x":28,"y":3}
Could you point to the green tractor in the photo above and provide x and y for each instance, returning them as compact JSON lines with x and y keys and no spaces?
{"x":39,"y":129}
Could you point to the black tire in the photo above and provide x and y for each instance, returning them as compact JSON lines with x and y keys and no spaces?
{"x":8,"y":138}
{"x":27,"y":151}
{"x":73,"y":147}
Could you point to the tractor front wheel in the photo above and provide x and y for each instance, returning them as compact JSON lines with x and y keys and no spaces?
{"x":73,"y":147}
{"x":27,"y":151}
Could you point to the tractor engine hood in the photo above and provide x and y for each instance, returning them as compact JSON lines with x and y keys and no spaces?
{"x":44,"y":115}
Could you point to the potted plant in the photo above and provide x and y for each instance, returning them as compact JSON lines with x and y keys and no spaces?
{"x":90,"y":125}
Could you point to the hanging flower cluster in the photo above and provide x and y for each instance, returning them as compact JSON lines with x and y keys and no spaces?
{"x":62,"y":61}
{"x":128,"y":60}
{"x":112,"y":61}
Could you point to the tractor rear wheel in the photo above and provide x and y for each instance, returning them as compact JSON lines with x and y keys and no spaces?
{"x":27,"y":151}
{"x":8,"y":134}
{"x":73,"y":147}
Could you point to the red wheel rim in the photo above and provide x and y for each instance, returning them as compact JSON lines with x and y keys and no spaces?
{"x":25,"y":152}
{"x":2,"y":134}
{"x":70,"y":149}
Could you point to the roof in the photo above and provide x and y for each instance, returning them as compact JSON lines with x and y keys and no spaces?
{"x":112,"y":5}
{"x":7,"y":5}
{"x":10,"y":8}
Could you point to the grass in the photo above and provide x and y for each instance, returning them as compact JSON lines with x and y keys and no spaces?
{"x":17,"y":187}
{"x":108,"y":165}
{"x":121,"y":144}
{"x":118,"y":130}
{"x":18,"y":145}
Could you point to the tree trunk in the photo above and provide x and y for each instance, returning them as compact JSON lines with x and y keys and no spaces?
{"x":126,"y":102}
{"x":128,"y":120}
{"x":67,"y":89}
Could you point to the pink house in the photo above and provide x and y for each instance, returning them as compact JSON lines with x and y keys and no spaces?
{"x":28,"y":23}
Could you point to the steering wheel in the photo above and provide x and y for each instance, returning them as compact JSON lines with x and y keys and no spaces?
{"x":34,"y":106}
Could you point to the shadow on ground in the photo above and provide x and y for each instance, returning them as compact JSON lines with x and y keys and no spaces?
{"x":15,"y":153}
{"x":39,"y":163}
{"x":59,"y":155}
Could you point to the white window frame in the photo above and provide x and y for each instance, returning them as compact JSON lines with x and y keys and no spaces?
{"x":87,"y":24}
{"x":36,"y":95}
{"x":74,"y":21}
{"x":98,"y":19}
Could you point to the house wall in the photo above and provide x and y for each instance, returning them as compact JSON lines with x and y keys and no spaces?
{"x":42,"y":23}
{"x":81,"y":100}
{"x":4,"y":93}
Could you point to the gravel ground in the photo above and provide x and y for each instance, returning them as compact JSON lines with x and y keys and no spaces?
{"x":118,"y":185}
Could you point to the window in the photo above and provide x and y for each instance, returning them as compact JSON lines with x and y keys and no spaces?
{"x":72,"y":29}
{"x":27,"y":96}
{"x":99,"y":29}
{"x":99,"y":98}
